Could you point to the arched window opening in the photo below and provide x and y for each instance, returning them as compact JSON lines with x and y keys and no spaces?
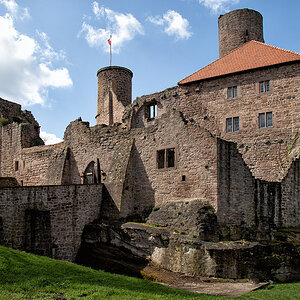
{"x":89,"y":175}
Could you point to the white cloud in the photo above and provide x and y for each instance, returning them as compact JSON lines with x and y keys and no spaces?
{"x":218,"y":5}
{"x":47,"y":52}
{"x":14,"y":10}
{"x":49,"y":138}
{"x":174,"y":24}
{"x":122,"y":27}
{"x":26,"y":70}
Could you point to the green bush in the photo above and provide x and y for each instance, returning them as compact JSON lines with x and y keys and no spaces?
{"x":3,"y":122}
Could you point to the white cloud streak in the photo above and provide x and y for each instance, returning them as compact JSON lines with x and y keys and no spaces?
{"x":218,"y":6}
{"x":26,"y":71}
{"x":14,"y":10}
{"x":122,"y":27}
{"x":49,"y":138}
{"x":174,"y":24}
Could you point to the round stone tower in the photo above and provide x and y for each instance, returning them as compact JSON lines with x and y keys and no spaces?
{"x":114,"y":93}
{"x":238,"y":27}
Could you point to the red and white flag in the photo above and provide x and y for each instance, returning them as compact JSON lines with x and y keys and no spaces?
{"x":109,"y":41}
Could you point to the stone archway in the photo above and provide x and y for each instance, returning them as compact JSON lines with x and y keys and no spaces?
{"x":89,"y":175}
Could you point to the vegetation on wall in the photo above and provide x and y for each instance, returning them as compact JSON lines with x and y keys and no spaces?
{"x":3,"y":122}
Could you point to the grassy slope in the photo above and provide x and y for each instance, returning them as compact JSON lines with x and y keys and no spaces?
{"x":26,"y":276}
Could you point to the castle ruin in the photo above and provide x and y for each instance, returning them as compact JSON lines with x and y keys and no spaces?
{"x":225,"y":140}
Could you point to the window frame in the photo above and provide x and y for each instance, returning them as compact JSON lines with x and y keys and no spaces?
{"x":232,"y":92}
{"x":232,"y":125}
{"x":264,"y":117}
{"x":264,"y":86}
{"x":151,"y":111}
{"x":166,"y":152}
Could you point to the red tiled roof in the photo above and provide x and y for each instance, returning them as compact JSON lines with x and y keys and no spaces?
{"x":251,"y":55}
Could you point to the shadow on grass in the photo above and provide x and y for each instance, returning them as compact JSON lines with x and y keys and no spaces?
{"x":28,"y":271}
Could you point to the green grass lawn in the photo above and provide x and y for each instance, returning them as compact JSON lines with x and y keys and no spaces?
{"x":27,"y":276}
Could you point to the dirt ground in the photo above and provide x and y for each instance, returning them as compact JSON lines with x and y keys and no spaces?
{"x":212,"y":286}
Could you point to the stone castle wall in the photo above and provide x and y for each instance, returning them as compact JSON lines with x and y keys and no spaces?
{"x":136,"y":115}
{"x":48,"y":220}
{"x":264,"y":149}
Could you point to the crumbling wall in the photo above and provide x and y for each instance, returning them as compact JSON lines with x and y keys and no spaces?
{"x":236,"y":187}
{"x":195,"y":171}
{"x":137,"y":115}
{"x":70,"y":208}
{"x":290,"y":201}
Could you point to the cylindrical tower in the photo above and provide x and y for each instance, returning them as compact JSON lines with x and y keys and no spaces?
{"x":114,"y":93}
{"x":238,"y":27}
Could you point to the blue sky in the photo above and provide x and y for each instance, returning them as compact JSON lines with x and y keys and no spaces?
{"x":50,"y":50}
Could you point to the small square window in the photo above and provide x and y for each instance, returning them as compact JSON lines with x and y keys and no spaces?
{"x":265,"y":120}
{"x":264,"y":86}
{"x":165,"y":158}
{"x":232,"y":92}
{"x":232,"y":124}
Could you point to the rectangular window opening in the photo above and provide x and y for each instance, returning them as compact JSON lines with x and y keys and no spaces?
{"x":269,"y":119}
{"x":165,"y":158}
{"x":160,"y":159}
{"x":264,"y":86}
{"x":152,"y":111}
{"x":171,"y":158}
{"x":229,"y":125}
{"x":232,"y":92}
{"x":16,"y":165}
{"x":265,"y":120}
{"x":236,"y":124}
{"x":232,"y":124}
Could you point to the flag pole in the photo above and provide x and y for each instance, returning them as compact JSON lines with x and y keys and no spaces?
{"x":110,"y":51}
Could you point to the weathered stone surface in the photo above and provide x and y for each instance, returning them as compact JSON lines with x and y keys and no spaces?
{"x":238,"y":27}
{"x":191,"y":217}
{"x":191,"y":256}
{"x":70,"y":208}
{"x":246,"y":182}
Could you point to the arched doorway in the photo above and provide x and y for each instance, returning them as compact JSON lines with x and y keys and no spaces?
{"x":89,"y":175}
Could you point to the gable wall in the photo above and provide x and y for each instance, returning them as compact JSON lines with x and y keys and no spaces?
{"x":264,"y":149}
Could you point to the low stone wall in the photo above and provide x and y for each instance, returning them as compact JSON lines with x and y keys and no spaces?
{"x":48,"y":220}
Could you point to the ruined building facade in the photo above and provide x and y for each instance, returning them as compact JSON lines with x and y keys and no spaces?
{"x":226,"y":135}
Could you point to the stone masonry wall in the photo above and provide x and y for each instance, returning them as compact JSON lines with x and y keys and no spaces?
{"x":114,"y":94}
{"x":290,"y":201}
{"x":195,"y":171}
{"x":137,"y":114}
{"x":70,"y":207}
{"x":28,"y":165}
{"x":195,"y":149}
{"x":236,"y":187}
{"x":238,"y":27}
{"x":264,"y":149}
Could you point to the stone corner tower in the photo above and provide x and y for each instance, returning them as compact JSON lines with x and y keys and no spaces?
{"x":114,"y":94}
{"x":238,"y":27}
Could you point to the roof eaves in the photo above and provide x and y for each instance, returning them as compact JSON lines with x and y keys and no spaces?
{"x":237,"y":72}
